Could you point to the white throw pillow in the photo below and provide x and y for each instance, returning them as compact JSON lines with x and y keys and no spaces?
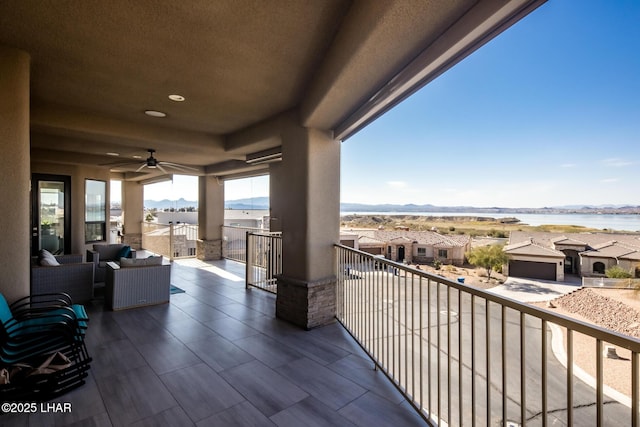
{"x":46,"y":258}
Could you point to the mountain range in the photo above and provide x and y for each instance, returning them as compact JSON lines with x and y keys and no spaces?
{"x":263,"y":203}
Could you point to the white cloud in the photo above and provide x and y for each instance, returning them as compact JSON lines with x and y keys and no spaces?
{"x":609,"y":180}
{"x":616,"y":162}
{"x":568,"y":165}
{"x":397,"y":184}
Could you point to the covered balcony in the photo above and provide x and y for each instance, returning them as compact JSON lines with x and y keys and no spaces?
{"x":95,"y":91}
{"x":221,"y":91}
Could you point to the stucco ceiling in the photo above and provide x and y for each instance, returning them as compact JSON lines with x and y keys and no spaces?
{"x":242,"y":65}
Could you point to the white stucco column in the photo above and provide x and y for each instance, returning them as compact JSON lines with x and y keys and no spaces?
{"x":210,"y":218}
{"x":132,"y":213}
{"x":305,"y":201}
{"x":15,"y":167}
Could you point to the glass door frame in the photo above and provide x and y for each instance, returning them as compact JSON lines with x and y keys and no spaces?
{"x":36,"y":178}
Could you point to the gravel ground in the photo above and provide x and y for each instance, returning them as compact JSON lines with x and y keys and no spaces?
{"x":602,"y":310}
{"x":615,"y":309}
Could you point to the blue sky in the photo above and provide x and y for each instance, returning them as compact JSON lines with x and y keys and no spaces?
{"x":546,"y":114}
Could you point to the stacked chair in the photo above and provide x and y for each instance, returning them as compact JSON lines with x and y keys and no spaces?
{"x":42,"y":348}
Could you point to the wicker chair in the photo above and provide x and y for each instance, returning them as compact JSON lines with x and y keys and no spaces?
{"x":137,"y":285}
{"x":101,"y":254}
{"x":72,"y":277}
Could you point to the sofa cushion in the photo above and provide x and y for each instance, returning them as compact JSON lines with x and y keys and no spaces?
{"x":131,"y":262}
{"x":46,"y":258}
{"x":124,"y":252}
{"x":140,"y":262}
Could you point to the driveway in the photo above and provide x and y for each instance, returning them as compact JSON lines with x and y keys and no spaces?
{"x":533,"y":290}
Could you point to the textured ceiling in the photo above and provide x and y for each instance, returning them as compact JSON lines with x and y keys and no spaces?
{"x":96,"y":66}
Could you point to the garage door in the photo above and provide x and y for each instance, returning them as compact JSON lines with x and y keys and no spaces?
{"x":372,"y":251}
{"x":533,"y":270}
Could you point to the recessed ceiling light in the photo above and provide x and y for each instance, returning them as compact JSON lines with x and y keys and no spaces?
{"x":154,"y":113}
{"x":177,"y":98}
{"x":112,"y":154}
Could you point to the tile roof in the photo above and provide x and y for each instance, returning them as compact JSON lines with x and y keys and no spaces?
{"x":564,"y":240}
{"x":532,"y":249}
{"x":369,"y":240}
{"x":547,"y":239}
{"x":613,"y":249}
{"x":420,"y":237}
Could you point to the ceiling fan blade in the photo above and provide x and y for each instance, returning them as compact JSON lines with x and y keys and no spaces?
{"x":141,"y":167}
{"x":178,"y":166}
{"x":162,"y":169}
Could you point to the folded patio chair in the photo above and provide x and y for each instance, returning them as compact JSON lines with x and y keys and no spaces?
{"x":31,"y":327}
{"x":36,"y":331}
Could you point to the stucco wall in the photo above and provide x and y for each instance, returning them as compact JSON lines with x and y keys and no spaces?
{"x":14,"y":166}
{"x":587,"y":263}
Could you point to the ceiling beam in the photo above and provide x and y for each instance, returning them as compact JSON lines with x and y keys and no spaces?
{"x":68,"y":122}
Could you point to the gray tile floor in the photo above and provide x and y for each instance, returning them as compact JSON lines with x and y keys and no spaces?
{"x":217,"y":356}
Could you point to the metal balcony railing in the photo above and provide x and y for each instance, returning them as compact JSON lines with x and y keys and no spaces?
{"x":264,"y":260}
{"x":234,"y":241}
{"x":170,"y":240}
{"x":464,"y":356}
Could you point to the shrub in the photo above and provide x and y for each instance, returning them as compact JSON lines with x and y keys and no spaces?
{"x":490,"y":257}
{"x":617,"y":272}
{"x":437,"y":264}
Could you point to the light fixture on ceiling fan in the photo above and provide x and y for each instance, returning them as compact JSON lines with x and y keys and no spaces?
{"x":154,"y":163}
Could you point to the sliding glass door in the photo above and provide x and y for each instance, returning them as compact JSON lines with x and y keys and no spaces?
{"x":51,"y":213}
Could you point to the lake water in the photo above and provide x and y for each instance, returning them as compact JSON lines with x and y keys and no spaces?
{"x":610,"y":222}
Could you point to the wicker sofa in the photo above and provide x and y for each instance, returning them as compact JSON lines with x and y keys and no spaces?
{"x":72,"y":276}
{"x":137,"y":283}
{"x":101,"y":254}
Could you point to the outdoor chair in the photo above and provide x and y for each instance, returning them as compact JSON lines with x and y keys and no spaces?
{"x":40,"y":324}
{"x":101,"y":254}
{"x":137,"y":282}
{"x":72,"y":276}
{"x":42,"y":349}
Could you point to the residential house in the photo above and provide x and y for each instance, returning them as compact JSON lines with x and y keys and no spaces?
{"x":552,"y":256}
{"x":416,"y":247}
{"x":257,"y":218}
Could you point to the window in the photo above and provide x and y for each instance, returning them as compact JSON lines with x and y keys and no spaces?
{"x":598,"y":267}
{"x":422,"y":251}
{"x":389,"y":250}
{"x":95,"y":208}
{"x":442,"y":253}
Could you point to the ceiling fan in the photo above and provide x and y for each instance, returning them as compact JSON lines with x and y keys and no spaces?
{"x":153,"y":163}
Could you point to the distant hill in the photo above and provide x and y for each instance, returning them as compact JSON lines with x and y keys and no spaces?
{"x":583,"y":209}
{"x":248,"y":204}
{"x":263,"y":203}
{"x":244,"y":204}
{"x":166,"y":204}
